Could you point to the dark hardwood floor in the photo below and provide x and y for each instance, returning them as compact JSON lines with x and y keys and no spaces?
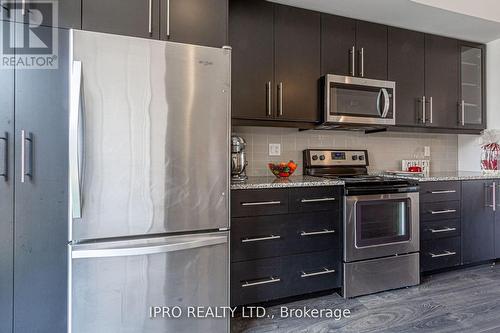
{"x":466,"y":300}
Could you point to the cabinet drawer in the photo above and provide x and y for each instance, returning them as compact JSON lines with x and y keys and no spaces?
{"x":315,"y":199}
{"x":440,"y":253}
{"x":439,"y":191}
{"x":315,"y":272}
{"x":259,"y":280}
{"x":278,"y":235}
{"x":439,"y":229}
{"x":259,"y":202}
{"x":430,"y":211}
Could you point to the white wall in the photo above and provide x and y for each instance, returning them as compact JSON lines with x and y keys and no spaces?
{"x":485,"y":9}
{"x":468,"y":145}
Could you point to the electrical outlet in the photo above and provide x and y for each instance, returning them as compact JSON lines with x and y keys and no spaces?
{"x":274,"y":149}
{"x":427,"y":151}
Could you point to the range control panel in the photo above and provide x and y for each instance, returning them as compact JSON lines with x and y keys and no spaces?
{"x":331,"y":157}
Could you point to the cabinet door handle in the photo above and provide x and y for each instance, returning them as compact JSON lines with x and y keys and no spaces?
{"x":444,"y":254}
{"x":446,"y":211}
{"x":312,"y":233}
{"x":494,"y":195}
{"x":150,"y":16}
{"x":23,"y":7}
{"x":5,"y":170}
{"x":423,"y":110}
{"x":322,"y":272}
{"x":26,"y":168}
{"x":362,"y":62}
{"x":280,"y":99}
{"x":442,"y":192}
{"x":352,"y":53}
{"x":269,"y":98}
{"x":317,"y":200}
{"x":430,"y":109}
{"x":272,"y":279}
{"x":168,"y":18}
{"x":259,"y":239}
{"x":442,"y":230}
{"x":462,"y":107}
{"x":261,"y":203}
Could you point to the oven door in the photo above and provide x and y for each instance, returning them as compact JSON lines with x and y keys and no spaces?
{"x":359,"y":101}
{"x":381,"y":225}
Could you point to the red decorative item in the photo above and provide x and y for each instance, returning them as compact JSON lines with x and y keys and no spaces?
{"x":489,"y":156}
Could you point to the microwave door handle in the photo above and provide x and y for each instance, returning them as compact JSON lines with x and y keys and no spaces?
{"x":378,"y":102}
{"x":386,"y":102}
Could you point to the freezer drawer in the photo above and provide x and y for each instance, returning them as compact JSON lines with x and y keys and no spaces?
{"x":114,"y":284}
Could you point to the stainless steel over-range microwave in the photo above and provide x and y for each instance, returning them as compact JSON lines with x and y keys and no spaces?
{"x":355,"y":100}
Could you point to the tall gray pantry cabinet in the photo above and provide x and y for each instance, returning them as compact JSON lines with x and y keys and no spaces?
{"x":33,"y":193}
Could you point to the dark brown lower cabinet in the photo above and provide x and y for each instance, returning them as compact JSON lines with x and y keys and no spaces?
{"x":287,"y":243}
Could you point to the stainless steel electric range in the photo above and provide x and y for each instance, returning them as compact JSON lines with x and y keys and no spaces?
{"x":381,"y":222}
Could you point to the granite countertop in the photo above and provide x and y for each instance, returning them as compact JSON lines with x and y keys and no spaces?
{"x":450,"y":175}
{"x":293,"y":181}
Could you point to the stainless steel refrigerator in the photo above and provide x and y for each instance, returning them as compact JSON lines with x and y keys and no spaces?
{"x":149,"y":183}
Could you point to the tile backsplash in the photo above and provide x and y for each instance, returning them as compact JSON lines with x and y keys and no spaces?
{"x":385,"y":150}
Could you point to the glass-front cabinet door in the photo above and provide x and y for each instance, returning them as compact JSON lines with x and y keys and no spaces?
{"x":470,"y":105}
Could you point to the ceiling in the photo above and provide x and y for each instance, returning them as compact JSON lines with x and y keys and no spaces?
{"x":473,"y":20}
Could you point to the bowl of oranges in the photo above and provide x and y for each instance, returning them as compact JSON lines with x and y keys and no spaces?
{"x":283,"y":169}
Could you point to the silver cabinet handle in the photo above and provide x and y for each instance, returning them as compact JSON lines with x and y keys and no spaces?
{"x":446,"y":211}
{"x":444,"y":254}
{"x":443,"y":192}
{"x":26,"y":168}
{"x":5,"y":170}
{"x":74,"y":133}
{"x":23,"y":7}
{"x":423,"y":110}
{"x":494,"y":195}
{"x":261,"y":203}
{"x":272,"y":279}
{"x":168,"y":18}
{"x":430,"y":109}
{"x":269,"y":98}
{"x":150,"y":17}
{"x":312,"y":233}
{"x":317,"y":200}
{"x":280,"y":99}
{"x":462,"y":107}
{"x":362,"y":61}
{"x":442,"y":230}
{"x":322,"y":272}
{"x":352,"y":53}
{"x":259,"y":239}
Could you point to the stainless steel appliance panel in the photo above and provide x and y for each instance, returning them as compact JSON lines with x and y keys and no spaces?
{"x":115,"y":284}
{"x":371,"y":276}
{"x":399,"y":239}
{"x":149,"y":140}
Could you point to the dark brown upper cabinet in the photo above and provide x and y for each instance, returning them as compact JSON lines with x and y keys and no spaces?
{"x":275,"y":62}
{"x":441,"y":77}
{"x":472,"y":81}
{"x":252,"y":70}
{"x":297,"y":63}
{"x":350,"y":47}
{"x":406,"y":66}
{"x":338,"y":42}
{"x":371,"y":45}
{"x":202,"y":22}
{"x":68,"y":13}
{"x":138,"y":18}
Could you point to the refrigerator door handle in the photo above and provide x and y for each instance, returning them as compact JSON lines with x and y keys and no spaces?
{"x":74,"y":160}
{"x":121,"y":250}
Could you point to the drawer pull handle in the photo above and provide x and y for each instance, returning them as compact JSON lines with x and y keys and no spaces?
{"x":272,"y":279}
{"x":443,"y":192}
{"x":261,"y":203}
{"x":312,"y":233}
{"x":442,"y":230}
{"x":446,"y":211}
{"x":444,"y":254}
{"x":258,"y":239}
{"x":324,"y":271}
{"x":317,"y":200}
